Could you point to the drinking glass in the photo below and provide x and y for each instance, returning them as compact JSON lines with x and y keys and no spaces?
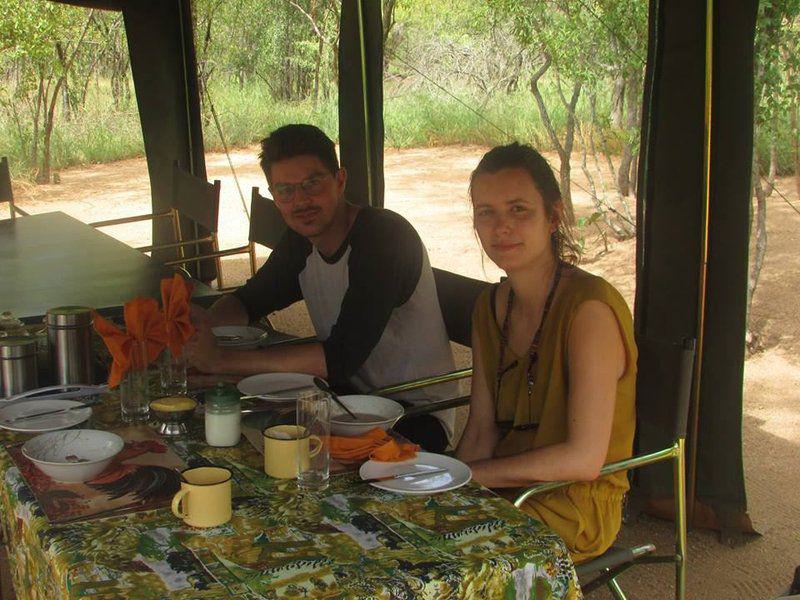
{"x":173,"y":373}
{"x":313,"y":419}
{"x":134,"y":396}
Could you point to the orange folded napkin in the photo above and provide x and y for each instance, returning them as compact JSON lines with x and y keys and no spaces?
{"x":375,"y":444}
{"x":119,"y":344}
{"x":144,"y":324}
{"x":175,"y":295}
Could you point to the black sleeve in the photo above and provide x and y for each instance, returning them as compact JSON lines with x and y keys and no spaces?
{"x":275,"y":285}
{"x":384,"y":267}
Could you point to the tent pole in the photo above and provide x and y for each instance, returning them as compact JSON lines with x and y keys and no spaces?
{"x":703,"y":275}
{"x":365,"y":101}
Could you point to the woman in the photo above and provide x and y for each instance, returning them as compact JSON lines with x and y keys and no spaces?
{"x":554,"y":359}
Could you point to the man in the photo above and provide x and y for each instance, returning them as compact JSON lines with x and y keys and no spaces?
{"x":364,"y":275}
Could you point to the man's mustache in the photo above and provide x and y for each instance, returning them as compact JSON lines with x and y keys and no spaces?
{"x":305,"y":210}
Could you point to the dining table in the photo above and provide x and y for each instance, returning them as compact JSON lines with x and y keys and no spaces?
{"x":351,"y":540}
{"x":53,"y":259}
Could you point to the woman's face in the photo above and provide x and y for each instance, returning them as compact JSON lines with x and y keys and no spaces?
{"x":510,"y":218}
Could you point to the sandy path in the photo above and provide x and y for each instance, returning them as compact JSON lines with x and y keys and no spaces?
{"x":429,"y":187}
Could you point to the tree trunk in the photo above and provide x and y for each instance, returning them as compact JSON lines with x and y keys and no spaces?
{"x":43,"y":176}
{"x":773,"y":162}
{"x":617,"y":101}
{"x":796,"y":147}
{"x":631,"y":128}
{"x":565,"y":150}
{"x":757,"y":259}
{"x":34,"y":159}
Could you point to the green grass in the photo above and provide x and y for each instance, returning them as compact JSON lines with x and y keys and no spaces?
{"x":424,"y":117}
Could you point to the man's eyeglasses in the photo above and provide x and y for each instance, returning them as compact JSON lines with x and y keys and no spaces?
{"x":311,"y":186}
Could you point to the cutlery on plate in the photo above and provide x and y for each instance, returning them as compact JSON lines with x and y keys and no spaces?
{"x":414,"y":474}
{"x":278,"y":393}
{"x":323,"y":385}
{"x":49,"y":412}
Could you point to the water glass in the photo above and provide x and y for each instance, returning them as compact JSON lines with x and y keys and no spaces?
{"x":134,"y":389}
{"x":313,"y":420}
{"x":173,"y":373}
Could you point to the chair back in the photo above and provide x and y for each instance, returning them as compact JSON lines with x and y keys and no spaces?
{"x":6,"y":194}
{"x":457,"y":295}
{"x":196,"y":198}
{"x":266,"y":223}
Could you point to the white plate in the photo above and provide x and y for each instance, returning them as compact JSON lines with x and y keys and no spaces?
{"x":250,"y":336}
{"x":457,"y":474}
{"x":270,"y":386}
{"x":46,"y":422}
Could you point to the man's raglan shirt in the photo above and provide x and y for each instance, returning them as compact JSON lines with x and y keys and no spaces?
{"x":373,"y":303}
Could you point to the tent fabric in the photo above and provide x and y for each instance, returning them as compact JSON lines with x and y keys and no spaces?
{"x":360,"y":110}
{"x":670,"y":233}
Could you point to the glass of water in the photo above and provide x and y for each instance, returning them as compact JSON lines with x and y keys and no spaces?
{"x":313,"y":447}
{"x":134,"y":389}
{"x":173,"y":373}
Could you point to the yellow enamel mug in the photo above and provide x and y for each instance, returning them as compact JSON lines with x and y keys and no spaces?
{"x":284,"y":448}
{"x":204,"y":499}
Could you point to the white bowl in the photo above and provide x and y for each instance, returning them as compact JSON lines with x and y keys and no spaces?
{"x":387,"y":410}
{"x":74,"y":455}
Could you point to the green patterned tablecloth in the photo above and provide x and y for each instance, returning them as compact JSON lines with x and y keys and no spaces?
{"x":350,"y":541}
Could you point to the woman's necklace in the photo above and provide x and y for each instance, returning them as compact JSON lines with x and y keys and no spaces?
{"x":533,"y":351}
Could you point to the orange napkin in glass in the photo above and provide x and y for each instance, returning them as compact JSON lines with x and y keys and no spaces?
{"x":145,"y":324}
{"x":175,"y":295}
{"x":375,"y":444}
{"x":119,"y":344}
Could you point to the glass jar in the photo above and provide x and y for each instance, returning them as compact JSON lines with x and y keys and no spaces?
{"x":223,"y":416}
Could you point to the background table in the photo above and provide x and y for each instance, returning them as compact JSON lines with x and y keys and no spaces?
{"x":53,"y":259}
{"x":350,"y":541}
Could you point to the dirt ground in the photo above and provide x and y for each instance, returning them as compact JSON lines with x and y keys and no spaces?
{"x":429,"y":187}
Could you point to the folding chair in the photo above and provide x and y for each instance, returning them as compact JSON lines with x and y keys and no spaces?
{"x":266,"y":228}
{"x":6,"y":193}
{"x":672,"y":365}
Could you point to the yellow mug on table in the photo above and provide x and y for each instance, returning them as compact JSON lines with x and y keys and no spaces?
{"x":204,"y":499}
{"x":284,"y":448}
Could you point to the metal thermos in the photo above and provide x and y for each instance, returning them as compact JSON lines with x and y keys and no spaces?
{"x":18,"y":364}
{"x":69,"y":336}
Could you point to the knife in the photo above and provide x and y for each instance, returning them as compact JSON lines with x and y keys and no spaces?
{"x":279,"y":393}
{"x":49,"y":412}
{"x":423,"y":473}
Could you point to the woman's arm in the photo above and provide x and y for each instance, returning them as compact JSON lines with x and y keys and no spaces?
{"x":481,"y":434}
{"x":596,"y":358}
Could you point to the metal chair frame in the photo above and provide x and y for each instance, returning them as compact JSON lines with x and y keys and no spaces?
{"x":674,"y":453}
{"x":265,"y":211}
{"x":6,"y":192}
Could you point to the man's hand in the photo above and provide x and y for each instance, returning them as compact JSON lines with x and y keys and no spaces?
{"x":202,"y":351}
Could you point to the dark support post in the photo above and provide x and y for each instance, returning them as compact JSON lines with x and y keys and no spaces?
{"x":361,"y":100}
{"x":680,"y":286}
{"x":165,"y":78}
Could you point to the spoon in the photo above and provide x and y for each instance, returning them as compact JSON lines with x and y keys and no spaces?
{"x":321,"y":384}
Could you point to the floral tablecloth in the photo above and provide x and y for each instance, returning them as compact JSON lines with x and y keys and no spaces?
{"x":350,"y":541}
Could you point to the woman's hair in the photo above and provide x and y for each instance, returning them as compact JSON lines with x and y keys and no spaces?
{"x":523,"y":156}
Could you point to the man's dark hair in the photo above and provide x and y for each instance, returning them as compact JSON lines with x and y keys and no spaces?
{"x":298,"y":140}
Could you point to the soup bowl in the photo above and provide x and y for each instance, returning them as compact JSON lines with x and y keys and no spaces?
{"x":377,"y":412}
{"x":73,"y":455}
